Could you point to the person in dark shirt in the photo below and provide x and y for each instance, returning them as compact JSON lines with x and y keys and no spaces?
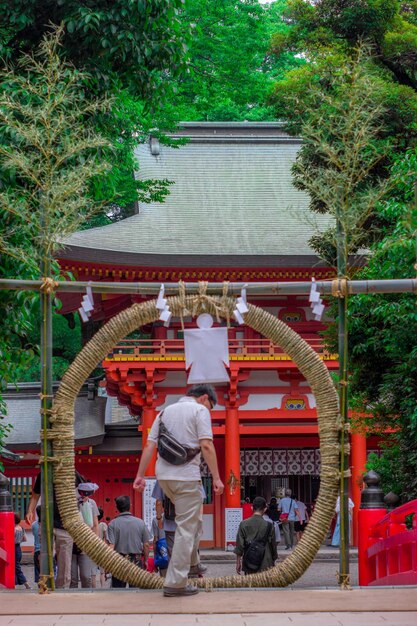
{"x":255,"y":527}
{"x":19,"y":537}
{"x":63,"y":540}
{"x":272,"y":511}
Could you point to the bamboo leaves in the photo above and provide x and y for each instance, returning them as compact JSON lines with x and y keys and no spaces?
{"x":50,"y":154}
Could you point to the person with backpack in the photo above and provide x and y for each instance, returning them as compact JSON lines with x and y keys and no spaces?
{"x":256,"y":548}
{"x":289,"y":513}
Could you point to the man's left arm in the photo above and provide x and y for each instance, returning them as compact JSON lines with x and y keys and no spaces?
{"x":110,"y":536}
{"x":209,"y":453}
{"x":95,"y":517}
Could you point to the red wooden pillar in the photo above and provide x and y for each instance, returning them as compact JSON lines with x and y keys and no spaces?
{"x":232,"y":458}
{"x":358,"y":462}
{"x":148,"y":416}
{"x":7,"y":550}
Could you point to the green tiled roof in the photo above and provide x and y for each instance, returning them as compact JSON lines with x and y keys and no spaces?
{"x":232,"y":197}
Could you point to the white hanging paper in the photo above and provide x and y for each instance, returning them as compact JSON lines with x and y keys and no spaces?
{"x":241,"y":307}
{"x":206,"y":352}
{"x":87,"y":305}
{"x":83,"y":314}
{"x":238,"y":317}
{"x":318,"y":310}
{"x":90,"y":295}
{"x":316,"y":302}
{"x":161,"y":301}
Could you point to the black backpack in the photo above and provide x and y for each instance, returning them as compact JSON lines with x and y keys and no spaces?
{"x":254,"y":552}
{"x":169,"y":508}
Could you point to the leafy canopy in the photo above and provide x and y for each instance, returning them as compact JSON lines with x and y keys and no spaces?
{"x":48,"y":154}
{"x":231,"y":69}
{"x":382,"y":328}
{"x":129,"y":43}
{"x":344,"y":145}
{"x":49,"y":158}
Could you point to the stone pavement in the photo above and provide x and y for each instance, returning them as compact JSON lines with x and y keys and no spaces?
{"x":313,"y":600}
{"x":278,"y":607}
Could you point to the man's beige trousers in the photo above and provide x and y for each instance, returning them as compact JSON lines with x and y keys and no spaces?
{"x":187,"y":498}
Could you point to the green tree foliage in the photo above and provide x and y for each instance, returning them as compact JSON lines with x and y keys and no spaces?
{"x":383,"y":329}
{"x":67,"y":344}
{"x":49,"y":157}
{"x":326,"y":32}
{"x":129,"y":43}
{"x":130,"y":50}
{"x":231,"y":70}
{"x":384,"y":340}
{"x":125,"y":50}
{"x":344,"y":144}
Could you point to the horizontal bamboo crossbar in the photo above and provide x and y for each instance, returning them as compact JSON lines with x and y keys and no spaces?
{"x":406,"y":285}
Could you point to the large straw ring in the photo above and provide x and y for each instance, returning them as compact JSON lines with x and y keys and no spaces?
{"x":309,"y":364}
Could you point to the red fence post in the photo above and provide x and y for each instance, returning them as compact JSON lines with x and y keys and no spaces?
{"x":6,"y":536}
{"x":372,"y":510}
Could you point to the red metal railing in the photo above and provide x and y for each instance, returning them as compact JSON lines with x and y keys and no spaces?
{"x":243,"y":347}
{"x":7,"y":573}
{"x":390,"y":557}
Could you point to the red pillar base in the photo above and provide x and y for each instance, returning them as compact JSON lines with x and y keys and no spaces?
{"x":358,"y":456}
{"x":7,"y":570}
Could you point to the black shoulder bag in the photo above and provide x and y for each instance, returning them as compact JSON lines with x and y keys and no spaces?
{"x":170,"y":449}
{"x":255,"y":551}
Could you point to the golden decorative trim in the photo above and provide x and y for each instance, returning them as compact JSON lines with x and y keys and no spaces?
{"x":128,"y":358}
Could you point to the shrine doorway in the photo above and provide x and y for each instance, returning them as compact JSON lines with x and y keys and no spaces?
{"x":304,"y":487}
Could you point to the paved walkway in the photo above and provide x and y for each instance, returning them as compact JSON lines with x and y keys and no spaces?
{"x":358,"y":607}
{"x":323,"y":605}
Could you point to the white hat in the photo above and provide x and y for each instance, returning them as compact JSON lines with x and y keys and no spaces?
{"x":87,"y":487}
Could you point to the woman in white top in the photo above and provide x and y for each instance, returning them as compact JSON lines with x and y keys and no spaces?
{"x":336,"y":533}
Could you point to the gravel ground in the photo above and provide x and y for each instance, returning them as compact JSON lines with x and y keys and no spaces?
{"x":320,"y":573}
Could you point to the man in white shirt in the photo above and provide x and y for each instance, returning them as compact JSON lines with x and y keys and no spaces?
{"x":190,"y":422}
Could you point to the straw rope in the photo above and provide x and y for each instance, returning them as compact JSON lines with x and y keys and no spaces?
{"x":310,"y":365}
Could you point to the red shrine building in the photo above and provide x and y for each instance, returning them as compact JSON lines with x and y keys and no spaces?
{"x":232,"y":215}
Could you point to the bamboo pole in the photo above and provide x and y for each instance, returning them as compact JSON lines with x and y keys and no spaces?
{"x":342,"y":261}
{"x":406,"y":285}
{"x":47,"y":504}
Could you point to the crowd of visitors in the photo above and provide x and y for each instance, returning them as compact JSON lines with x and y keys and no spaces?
{"x":258,"y":535}
{"x":177,"y":526}
{"x":179,"y":505}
